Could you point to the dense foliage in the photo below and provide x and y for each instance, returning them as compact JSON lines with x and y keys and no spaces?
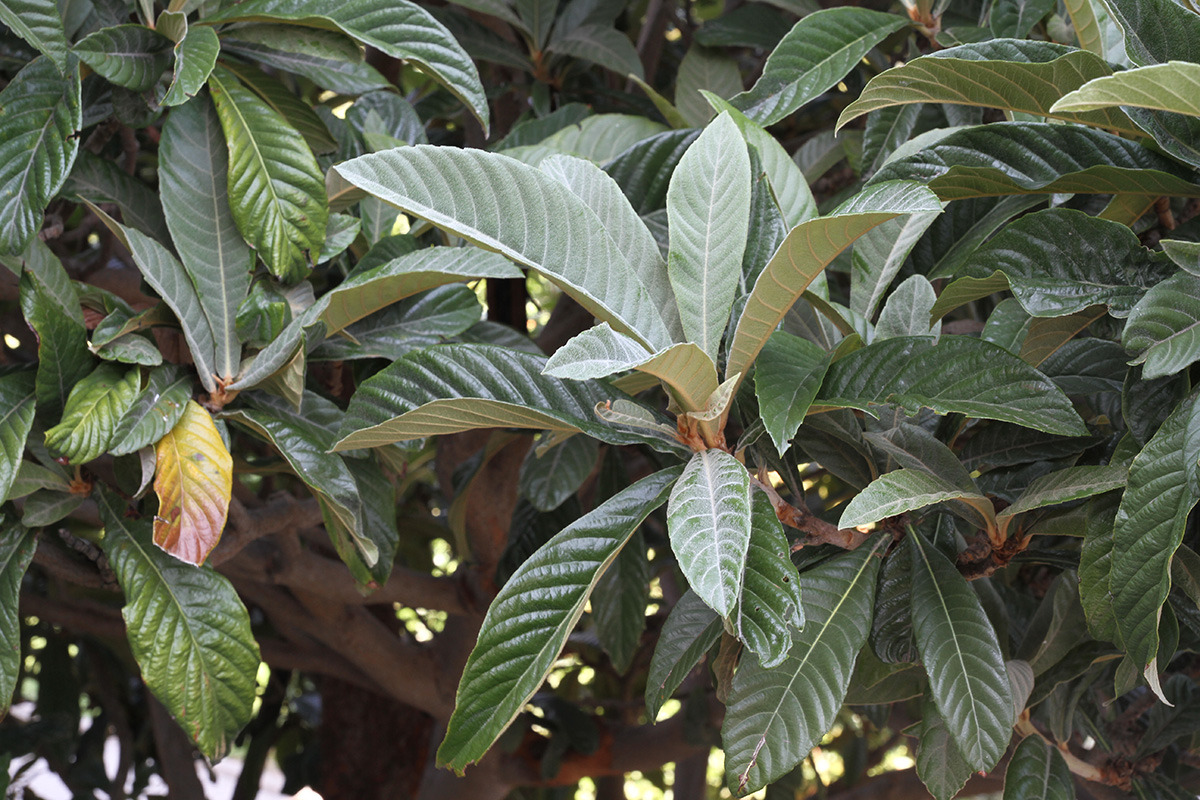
{"x":836,"y":413}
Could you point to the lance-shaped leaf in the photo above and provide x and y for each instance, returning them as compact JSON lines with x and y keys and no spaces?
{"x":940,"y":763}
{"x":94,"y":408}
{"x":776,"y":716}
{"x":708,"y":211}
{"x":419,"y":321}
{"x":551,"y":229}
{"x":958,"y":375}
{"x":602,"y":45}
{"x":1172,"y":87}
{"x":691,"y":630}
{"x":643,"y":170}
{"x":787,"y":377}
{"x":189,"y":632}
{"x":705,"y":69}
{"x":879,"y":255}
{"x":902,"y":490}
{"x":398,"y":28}
{"x":51,"y":307}
{"x":962,"y":657}
{"x":1010,"y":74}
{"x":619,"y":603}
{"x":169,"y":278}
{"x":283,"y":100}
{"x":193,"y":183}
{"x":103,"y":181}
{"x":1060,"y":261}
{"x":327,"y":58}
{"x":40,"y":24}
{"x":193,"y":478}
{"x":1037,"y":772}
{"x":805,"y":253}
{"x":516,"y":646}
{"x":17,"y":399}
{"x":1063,"y":486}
{"x":276,"y":189}
{"x":17,"y":546}
{"x":1164,"y":327}
{"x":38,"y":143}
{"x":367,"y":291}
{"x":769,"y":607}
{"x":817,"y":53}
{"x":891,"y":628}
{"x":132,"y":56}
{"x":459,"y":387}
{"x":708,"y":519}
{"x":196,"y":51}
{"x":154,"y":412}
{"x":1039,"y":158}
{"x":1149,"y":527}
{"x":548,"y":479}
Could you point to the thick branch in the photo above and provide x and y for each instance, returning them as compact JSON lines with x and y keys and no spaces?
{"x":281,"y":513}
{"x":816,"y":530}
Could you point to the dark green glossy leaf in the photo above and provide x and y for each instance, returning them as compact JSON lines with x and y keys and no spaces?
{"x":195,"y":56}
{"x":132,"y":56}
{"x":619,"y":602}
{"x":891,"y":627}
{"x":51,"y":307}
{"x":548,"y":479}
{"x":102,"y":181}
{"x":17,"y":399}
{"x":94,"y":407}
{"x":1164,"y":327}
{"x":770,"y":607}
{"x":1157,"y":31}
{"x":787,"y":376}
{"x":327,"y":58}
{"x":39,"y":23}
{"x":1037,"y":772}
{"x":691,"y":630}
{"x":644,"y":170}
{"x":940,"y":763}
{"x":17,"y":546}
{"x":154,"y":412}
{"x":299,"y":114}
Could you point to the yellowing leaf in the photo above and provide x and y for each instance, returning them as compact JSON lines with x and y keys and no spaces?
{"x":193,"y":480}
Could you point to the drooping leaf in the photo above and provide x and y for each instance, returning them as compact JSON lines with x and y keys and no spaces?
{"x":17,"y":399}
{"x":691,"y":630}
{"x":904,"y":490}
{"x":940,"y":763}
{"x":40,"y":24}
{"x":132,"y":56}
{"x":1149,"y":527}
{"x":154,"y":412}
{"x":803,"y":256}
{"x":426,"y":318}
{"x":102,"y":181}
{"x":94,"y":407}
{"x":787,"y":377}
{"x":817,"y":53}
{"x":399,"y":29}
{"x":189,"y":632}
{"x":891,"y":627}
{"x":962,"y":657}
{"x":193,"y":478}
{"x":516,"y":648}
{"x":554,"y":231}
{"x":704,"y":69}
{"x":708,"y":518}
{"x":327,"y":58}
{"x":1065,"y":485}
{"x":17,"y":546}
{"x":955,"y":235}
{"x":1037,"y":772}
{"x":957,"y":375}
{"x":196,"y":54}
{"x":1164,"y":327}
{"x":193,"y":184}
{"x":51,"y":307}
{"x":775,"y":716}
{"x":619,"y":603}
{"x":770,"y":606}
{"x":907,"y":310}
{"x":276,"y":189}
{"x":38,"y":143}
{"x":548,"y":479}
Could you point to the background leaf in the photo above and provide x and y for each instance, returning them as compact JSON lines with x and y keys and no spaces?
{"x":39,"y":23}
{"x":193,"y":478}
{"x":17,"y":399}
{"x":1037,"y":772}
{"x":17,"y":546}
{"x":154,"y":412}
{"x":787,"y":377}
{"x":691,"y":630}
{"x":51,"y":307}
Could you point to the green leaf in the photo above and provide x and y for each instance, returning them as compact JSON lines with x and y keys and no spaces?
{"x":101,"y":180}
{"x":17,"y":546}
{"x":1063,"y":486}
{"x":708,"y":211}
{"x":189,"y":632}
{"x":130,"y":349}
{"x":602,"y":45}
{"x":803,"y":256}
{"x":276,"y":189}
{"x":1164,"y":327}
{"x":366,"y":291}
{"x":327,"y":58}
{"x":1087,"y":28}
{"x":940,"y":763}
{"x":891,"y":627}
{"x":643,"y":170}
{"x":94,"y":408}
{"x":427,"y":318}
{"x":46,"y":508}
{"x":1039,"y":158}
{"x":619,"y":603}
{"x":299,"y":114}
{"x":460,"y":387}
{"x":598,"y":138}
{"x":1027,"y":77}
{"x":548,"y":479}
{"x":1037,"y":772}
{"x":1016,"y":18}
{"x":956,"y":234}
{"x":770,"y":606}
{"x":553,"y":232}
{"x":195,"y":56}
{"x":17,"y":399}
{"x":39,"y":23}
{"x":907,"y":310}
{"x":1095,"y":567}
{"x":516,"y":648}
{"x":704,"y":69}
{"x":958,"y":375}
{"x":894,"y":493}
{"x":132,"y":56}
{"x":879,"y":255}
{"x":776,"y":716}
{"x":691,"y":630}
{"x":817,"y":53}
{"x":51,"y":307}
{"x":1061,"y":261}
{"x":1157,"y":30}
{"x":787,"y":377}
{"x":958,"y":646}
{"x":38,"y":142}
{"x":193,"y":184}
{"x":1169,"y":87}
{"x":400,"y":29}
{"x":154,"y":412}
{"x":1149,"y":527}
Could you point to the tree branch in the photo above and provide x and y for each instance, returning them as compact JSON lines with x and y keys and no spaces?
{"x":282,"y":512}
{"x":816,"y":530}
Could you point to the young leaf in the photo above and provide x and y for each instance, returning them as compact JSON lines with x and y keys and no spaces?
{"x":691,"y":630}
{"x":193,"y":478}
{"x":708,"y":518}
{"x":817,"y":53}
{"x":770,"y":606}
{"x":17,"y":399}
{"x":276,"y":189}
{"x":962,"y":657}
{"x":196,"y":54}
{"x":94,"y":408}
{"x":516,"y":648}
{"x":193,"y":184}
{"x":1037,"y":772}
{"x":38,"y":143}
{"x":776,"y":716}
{"x":553,"y":231}
{"x":1164,"y":327}
{"x":154,"y":412}
{"x":879,"y":255}
{"x":708,"y":208}
{"x":904,"y":490}
{"x":39,"y":23}
{"x":787,"y":377}
{"x":397,"y":28}
{"x":189,"y":632}
{"x":132,"y":56}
